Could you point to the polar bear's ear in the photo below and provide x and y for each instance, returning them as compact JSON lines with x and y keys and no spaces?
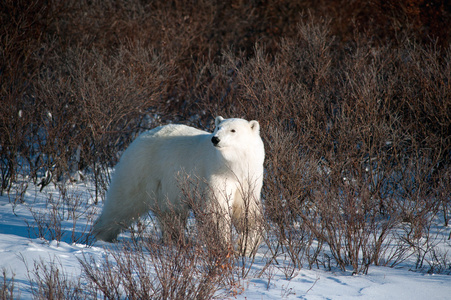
{"x":255,"y":126}
{"x":218,"y":120}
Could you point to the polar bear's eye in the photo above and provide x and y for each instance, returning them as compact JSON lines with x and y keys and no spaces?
{"x":233,"y":130}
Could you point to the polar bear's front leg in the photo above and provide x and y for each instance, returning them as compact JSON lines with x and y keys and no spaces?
{"x":247,"y":218}
{"x":172,"y":226}
{"x":218,"y":216}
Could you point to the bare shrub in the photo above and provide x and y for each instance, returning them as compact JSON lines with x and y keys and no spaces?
{"x":196,"y":261}
{"x":347,"y":161}
{"x":7,"y":289}
{"x":49,"y":281}
{"x":288,"y":193}
{"x":146,"y":268}
{"x":59,"y":218}
{"x":232,"y":236}
{"x":76,"y":105}
{"x":22,"y":23}
{"x":94,"y":104}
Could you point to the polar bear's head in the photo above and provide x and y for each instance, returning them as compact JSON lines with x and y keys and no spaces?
{"x":235,"y":133}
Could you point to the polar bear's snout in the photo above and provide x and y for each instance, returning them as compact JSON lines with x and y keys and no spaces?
{"x":215,"y":140}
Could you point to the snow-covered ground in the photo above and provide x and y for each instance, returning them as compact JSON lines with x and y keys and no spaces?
{"x":20,"y":250}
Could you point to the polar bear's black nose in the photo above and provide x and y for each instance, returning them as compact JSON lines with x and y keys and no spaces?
{"x":215,"y":140}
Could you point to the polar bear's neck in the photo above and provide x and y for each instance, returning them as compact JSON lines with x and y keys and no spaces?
{"x":238,"y":163}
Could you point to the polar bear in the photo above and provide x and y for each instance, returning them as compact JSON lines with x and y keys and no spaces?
{"x":227,"y":162}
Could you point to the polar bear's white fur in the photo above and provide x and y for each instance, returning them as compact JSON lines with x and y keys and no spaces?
{"x":228,"y":161}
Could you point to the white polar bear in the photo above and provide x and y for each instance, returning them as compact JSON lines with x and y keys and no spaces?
{"x":228,"y":162}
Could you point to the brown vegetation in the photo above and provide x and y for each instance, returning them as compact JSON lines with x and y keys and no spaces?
{"x":353,"y":98}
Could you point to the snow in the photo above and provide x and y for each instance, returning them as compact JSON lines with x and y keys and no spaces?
{"x":20,"y":249}
{"x":380,"y":283}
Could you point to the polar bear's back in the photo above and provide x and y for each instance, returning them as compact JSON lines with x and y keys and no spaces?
{"x":173,"y":130}
{"x":173,"y":144}
{"x":163,"y":151}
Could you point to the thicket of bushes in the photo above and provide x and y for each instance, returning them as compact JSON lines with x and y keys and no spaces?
{"x":353,"y":100}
